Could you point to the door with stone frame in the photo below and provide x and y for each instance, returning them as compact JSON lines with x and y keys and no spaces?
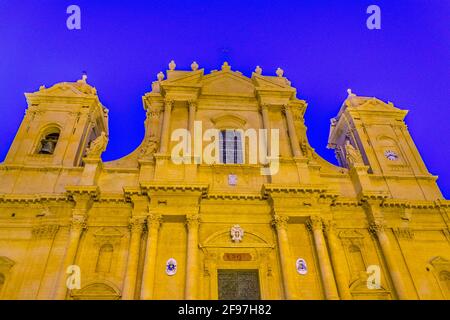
{"x":238,"y":284}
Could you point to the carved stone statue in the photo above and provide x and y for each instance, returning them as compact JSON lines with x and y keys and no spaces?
{"x":150,"y":147}
{"x":307,"y":150}
{"x":352,"y":155}
{"x":97,"y":146}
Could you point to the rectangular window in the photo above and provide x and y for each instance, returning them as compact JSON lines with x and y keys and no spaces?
{"x":230,"y":146}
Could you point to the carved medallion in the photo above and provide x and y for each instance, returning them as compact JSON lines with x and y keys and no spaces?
{"x":237,"y":233}
{"x":301,"y":266}
{"x":171,"y":266}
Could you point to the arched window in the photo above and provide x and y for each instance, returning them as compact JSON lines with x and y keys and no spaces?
{"x":2,"y":282}
{"x":104,"y":258}
{"x":356,"y":258}
{"x":48,"y":142}
{"x":230,"y":146}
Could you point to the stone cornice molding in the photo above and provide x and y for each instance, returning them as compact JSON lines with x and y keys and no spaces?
{"x":234,"y":196}
{"x":372,"y":197}
{"x":344,"y":201}
{"x":175,"y":187}
{"x":31,"y":198}
{"x":92,"y":191}
{"x":269,"y":189}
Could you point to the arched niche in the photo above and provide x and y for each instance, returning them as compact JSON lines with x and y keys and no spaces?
{"x":101,"y":290}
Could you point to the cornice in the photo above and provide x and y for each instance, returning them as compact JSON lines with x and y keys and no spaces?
{"x":174,"y":187}
{"x":92,"y":191}
{"x":234,"y":196}
{"x":270,"y":189}
{"x":31,"y":198}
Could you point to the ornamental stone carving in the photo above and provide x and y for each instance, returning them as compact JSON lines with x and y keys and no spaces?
{"x":151,"y":145}
{"x":280,"y":221}
{"x":137,"y":224}
{"x":352,"y":155}
{"x":315,"y":223}
{"x":78,"y":222}
{"x":154,"y":221}
{"x":192,"y":221}
{"x":237,"y":233}
{"x":97,"y":146}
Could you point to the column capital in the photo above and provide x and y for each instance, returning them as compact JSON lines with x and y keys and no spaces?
{"x":154,"y":221}
{"x":168,"y":104}
{"x":263,"y":106}
{"x":192,"y":104}
{"x":136,"y":224}
{"x":377,"y":226}
{"x":78,"y":222}
{"x":286,"y":107}
{"x":315,"y":223}
{"x":330,"y":226}
{"x":280,"y":221}
{"x":192,"y":221}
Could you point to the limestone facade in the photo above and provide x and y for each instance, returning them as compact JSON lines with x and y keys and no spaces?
{"x":121,"y":221}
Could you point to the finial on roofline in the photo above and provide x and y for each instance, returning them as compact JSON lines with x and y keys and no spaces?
{"x":279,"y":72}
{"x":350,"y":93}
{"x":258,"y":70}
{"x":194,"y":66}
{"x":172,"y":65}
{"x":226,"y":66}
{"x":160,"y":76}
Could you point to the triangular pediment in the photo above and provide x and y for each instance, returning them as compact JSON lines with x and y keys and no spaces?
{"x":184,"y":78}
{"x":227,"y":82}
{"x":265,"y":82}
{"x":66,"y":89}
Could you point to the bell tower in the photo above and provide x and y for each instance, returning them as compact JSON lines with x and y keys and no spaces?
{"x":58,"y":126}
{"x":373,"y":135}
{"x":378,"y":131}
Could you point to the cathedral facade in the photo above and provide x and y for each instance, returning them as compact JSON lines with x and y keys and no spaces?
{"x":153,"y":225}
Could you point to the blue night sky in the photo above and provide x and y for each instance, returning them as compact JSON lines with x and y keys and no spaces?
{"x":323,"y":46}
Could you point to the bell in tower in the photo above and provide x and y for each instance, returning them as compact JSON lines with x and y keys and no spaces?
{"x":49,"y":143}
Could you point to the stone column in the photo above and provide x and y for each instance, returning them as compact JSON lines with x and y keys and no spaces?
{"x":266,"y":124}
{"x":337,"y":261}
{"x":192,"y":261}
{"x":292,"y":132}
{"x":38,"y":254}
{"x":192,"y":112}
{"x":165,"y":134}
{"x":129,"y":286}
{"x":378,"y":228}
{"x":77,"y":226}
{"x":326,"y":271}
{"x":148,"y":274}
{"x":265,"y":116}
{"x":286,"y":263}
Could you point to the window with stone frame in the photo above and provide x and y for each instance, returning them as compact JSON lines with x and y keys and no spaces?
{"x":230,"y":147}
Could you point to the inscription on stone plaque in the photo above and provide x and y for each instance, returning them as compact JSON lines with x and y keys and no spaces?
{"x":237,"y":257}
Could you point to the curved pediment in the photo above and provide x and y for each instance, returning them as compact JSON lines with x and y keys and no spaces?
{"x":223,"y":239}
{"x":229,"y":121}
{"x":227,"y":83}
